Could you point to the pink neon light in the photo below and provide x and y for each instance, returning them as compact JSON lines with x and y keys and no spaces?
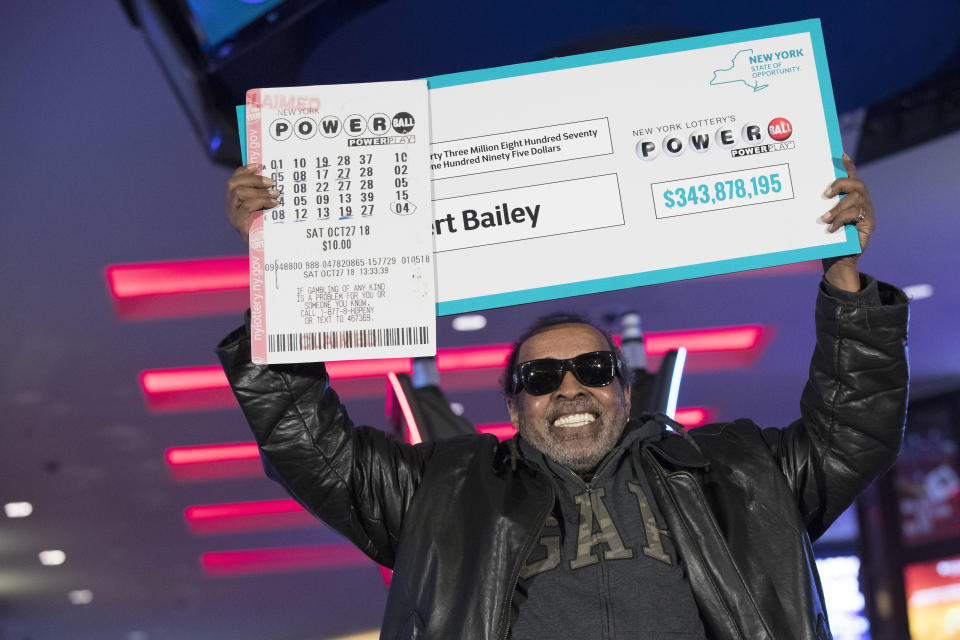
{"x":178,"y":276}
{"x":247,"y":516}
{"x":656,"y":343}
{"x":279,"y":559}
{"x":214,"y":462}
{"x":479,"y":357}
{"x":413,"y":431}
{"x":182,"y":379}
{"x":702,"y":340}
{"x":368,"y":368}
{"x":212,"y":453}
{"x":694,"y":416}
{"x":503,"y":430}
{"x":387,"y":575}
{"x":240,"y":509}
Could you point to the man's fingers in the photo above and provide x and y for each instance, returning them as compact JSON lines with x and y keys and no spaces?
{"x":243,"y":172}
{"x":848,"y":184}
{"x":844,"y":185}
{"x":849,"y":166}
{"x":249,"y":180}
{"x":257,"y":204}
{"x":241,"y":215}
{"x":250,"y":193}
{"x":252,"y":167}
{"x":848,"y":211}
{"x":243,"y":208}
{"x":247,"y":193}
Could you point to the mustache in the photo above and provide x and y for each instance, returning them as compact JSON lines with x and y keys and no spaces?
{"x":564,"y":407}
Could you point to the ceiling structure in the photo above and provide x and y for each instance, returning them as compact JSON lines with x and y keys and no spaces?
{"x":101,"y":168}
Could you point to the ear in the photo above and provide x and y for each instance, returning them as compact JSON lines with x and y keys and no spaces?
{"x":514,"y":413}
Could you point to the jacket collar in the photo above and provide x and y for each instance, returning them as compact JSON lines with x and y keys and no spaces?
{"x":677,"y":450}
{"x":650,"y":434}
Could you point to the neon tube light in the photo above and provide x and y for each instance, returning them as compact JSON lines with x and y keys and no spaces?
{"x":247,"y":516}
{"x":739,"y":338}
{"x":413,"y":431}
{"x":282,"y":559}
{"x":212,"y":453}
{"x":214,"y":462}
{"x":692,"y":417}
{"x":677,"y":375}
{"x":479,"y":357}
{"x":178,"y":276}
{"x":212,"y":377}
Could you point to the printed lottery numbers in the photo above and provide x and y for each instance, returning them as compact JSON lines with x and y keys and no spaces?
{"x":400,"y":173}
{"x":401,"y":205}
{"x":321,"y":198}
{"x":344,"y":197}
{"x":365,"y":162}
{"x":299,"y":189}
{"x":339,"y":187}
{"x":278,"y":213}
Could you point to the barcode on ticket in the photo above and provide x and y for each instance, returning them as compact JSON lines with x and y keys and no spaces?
{"x":319,"y":341}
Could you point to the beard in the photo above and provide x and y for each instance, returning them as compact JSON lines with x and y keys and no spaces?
{"x":579,"y":448}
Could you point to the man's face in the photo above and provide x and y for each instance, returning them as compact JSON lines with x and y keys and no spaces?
{"x":576,"y":425}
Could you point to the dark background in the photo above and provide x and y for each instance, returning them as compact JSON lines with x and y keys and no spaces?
{"x":100,"y":166}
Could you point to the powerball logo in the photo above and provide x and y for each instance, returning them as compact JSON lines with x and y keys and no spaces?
{"x":751,"y":140}
{"x":753,"y":69}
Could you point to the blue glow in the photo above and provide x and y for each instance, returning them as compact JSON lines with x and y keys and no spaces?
{"x":840,"y":576}
{"x":221,"y":19}
{"x":675,"y":379}
{"x":215,"y":143}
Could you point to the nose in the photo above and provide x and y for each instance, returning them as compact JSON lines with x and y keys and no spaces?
{"x":569,"y":386}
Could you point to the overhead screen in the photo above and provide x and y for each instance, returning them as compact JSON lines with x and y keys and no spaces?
{"x":217,"y":20}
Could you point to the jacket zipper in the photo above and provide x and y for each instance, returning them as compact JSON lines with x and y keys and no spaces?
{"x":524,"y":552}
{"x":607,"y":629}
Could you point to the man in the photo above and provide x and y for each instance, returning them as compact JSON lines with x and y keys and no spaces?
{"x":588,"y":525}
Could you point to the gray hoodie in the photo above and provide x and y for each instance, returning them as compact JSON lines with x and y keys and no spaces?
{"x":605,"y":566}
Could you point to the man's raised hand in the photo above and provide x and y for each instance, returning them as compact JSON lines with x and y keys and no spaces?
{"x":856,"y":209}
{"x":248,"y":193}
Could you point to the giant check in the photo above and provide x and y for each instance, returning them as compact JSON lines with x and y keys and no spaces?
{"x":633,"y":166}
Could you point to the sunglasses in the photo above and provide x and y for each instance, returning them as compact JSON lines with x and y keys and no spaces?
{"x":539,"y":377}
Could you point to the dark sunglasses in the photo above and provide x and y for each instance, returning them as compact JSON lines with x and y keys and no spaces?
{"x":539,"y":377}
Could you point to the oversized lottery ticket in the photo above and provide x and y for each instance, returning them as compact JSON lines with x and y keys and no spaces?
{"x":633,"y":166}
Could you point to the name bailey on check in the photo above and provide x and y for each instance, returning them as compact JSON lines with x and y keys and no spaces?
{"x":502,"y":214}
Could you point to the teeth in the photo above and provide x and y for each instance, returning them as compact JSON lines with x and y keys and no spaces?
{"x":574,"y":420}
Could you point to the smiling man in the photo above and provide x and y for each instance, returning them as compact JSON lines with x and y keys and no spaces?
{"x":568,"y":394}
{"x":574,"y":419}
{"x":588,"y":525}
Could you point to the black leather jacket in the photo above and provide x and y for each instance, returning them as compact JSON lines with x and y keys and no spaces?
{"x":456,"y":519}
